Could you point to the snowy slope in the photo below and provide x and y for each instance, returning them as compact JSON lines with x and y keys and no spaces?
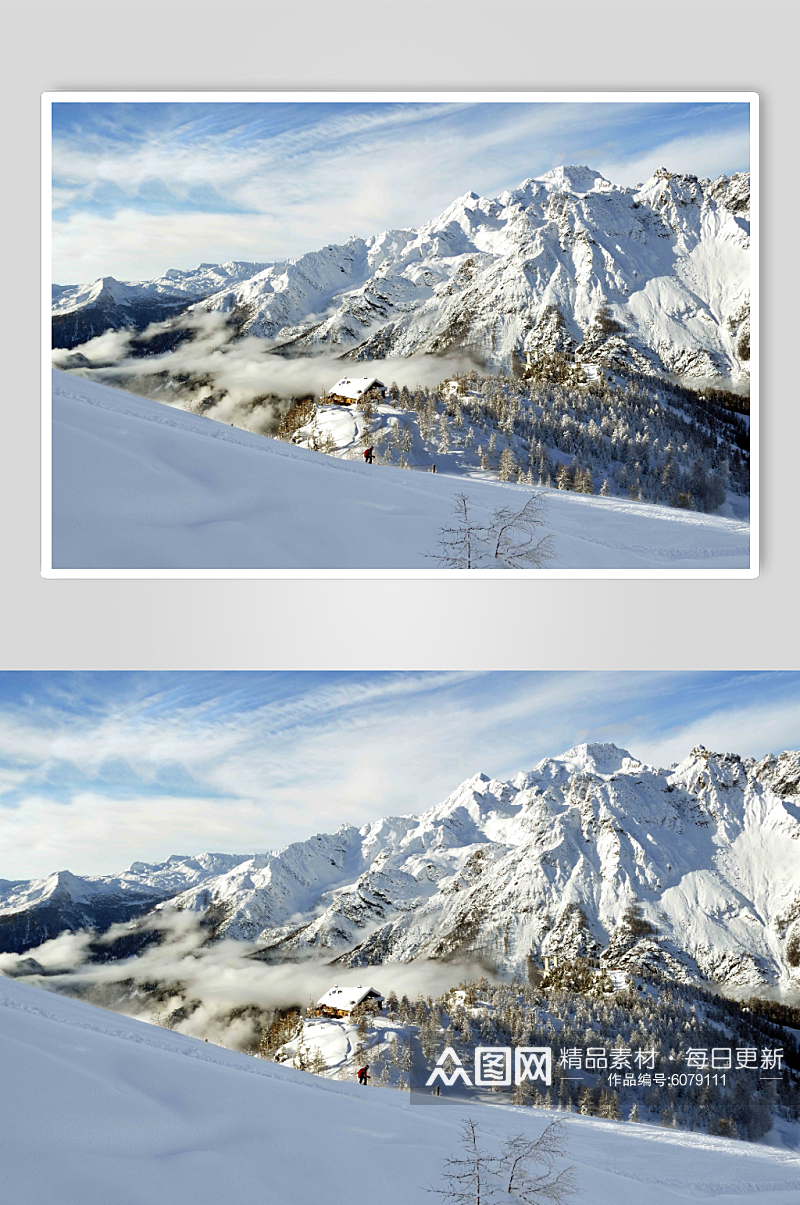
{"x":138,"y":485}
{"x":98,"y":1107}
{"x":530,"y":270}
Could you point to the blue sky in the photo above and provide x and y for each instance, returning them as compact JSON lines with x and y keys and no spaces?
{"x":99,"y":770}
{"x":142,"y":187}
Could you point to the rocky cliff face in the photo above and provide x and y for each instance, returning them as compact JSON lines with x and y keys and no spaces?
{"x":656,"y":278}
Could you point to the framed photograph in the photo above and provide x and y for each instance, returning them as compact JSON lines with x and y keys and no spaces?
{"x":259,"y":930}
{"x":400,"y":334}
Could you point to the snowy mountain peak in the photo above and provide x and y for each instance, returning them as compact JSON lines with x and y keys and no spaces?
{"x":577,"y":179}
{"x":703,"y":764}
{"x":781,"y":774}
{"x":65,"y":885}
{"x":598,"y":752}
{"x":592,"y":757}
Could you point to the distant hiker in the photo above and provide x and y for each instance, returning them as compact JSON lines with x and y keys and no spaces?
{"x":363,"y":1075}
{"x":368,"y":455}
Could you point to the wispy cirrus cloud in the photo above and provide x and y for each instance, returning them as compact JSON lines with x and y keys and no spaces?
{"x":698,"y":155}
{"x":97,"y":771}
{"x":140,"y":187}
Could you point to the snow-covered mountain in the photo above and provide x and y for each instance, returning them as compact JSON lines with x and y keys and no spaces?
{"x":693,"y":871}
{"x":82,"y":311}
{"x":656,"y":277}
{"x":31,"y":911}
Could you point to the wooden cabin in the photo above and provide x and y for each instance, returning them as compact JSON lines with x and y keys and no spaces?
{"x":351,"y":391}
{"x":341,"y":1001}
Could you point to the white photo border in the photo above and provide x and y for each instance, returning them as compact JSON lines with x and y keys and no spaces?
{"x":395,"y":97}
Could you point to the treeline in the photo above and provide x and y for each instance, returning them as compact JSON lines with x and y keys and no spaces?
{"x":666,"y":1018}
{"x":640,"y":439}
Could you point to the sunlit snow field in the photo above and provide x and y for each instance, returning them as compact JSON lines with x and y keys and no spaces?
{"x":99,"y":1107}
{"x":138,"y":485}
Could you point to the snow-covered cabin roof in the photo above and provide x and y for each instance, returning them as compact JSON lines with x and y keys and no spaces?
{"x":355,"y":387}
{"x":347,"y":998}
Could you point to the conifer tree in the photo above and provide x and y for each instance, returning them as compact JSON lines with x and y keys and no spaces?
{"x":318,"y":1066}
{"x":608,"y":1106}
{"x":508,"y":465}
{"x":444,"y":433}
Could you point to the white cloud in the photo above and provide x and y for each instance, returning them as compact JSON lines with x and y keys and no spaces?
{"x":220,"y":976}
{"x":699,"y":155}
{"x":133,"y":245}
{"x":750,"y":731}
{"x":348,"y":752}
{"x":255,"y":776}
{"x":238,"y":371}
{"x":93,"y":833}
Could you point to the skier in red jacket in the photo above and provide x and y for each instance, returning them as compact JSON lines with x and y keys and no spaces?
{"x":368,"y":455}
{"x":363,"y":1075}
